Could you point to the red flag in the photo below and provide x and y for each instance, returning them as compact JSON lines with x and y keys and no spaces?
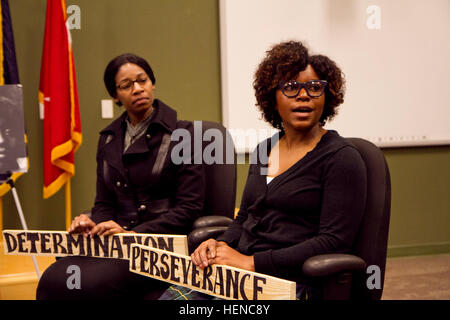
{"x":59,"y":97}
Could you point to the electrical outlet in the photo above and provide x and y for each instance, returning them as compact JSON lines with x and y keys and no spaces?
{"x":107,"y":109}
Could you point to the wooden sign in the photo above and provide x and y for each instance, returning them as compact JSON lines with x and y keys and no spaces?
{"x":217,"y":280}
{"x":62,"y":243}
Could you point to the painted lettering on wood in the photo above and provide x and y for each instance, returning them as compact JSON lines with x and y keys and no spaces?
{"x":62,"y":243}
{"x":217,"y":280}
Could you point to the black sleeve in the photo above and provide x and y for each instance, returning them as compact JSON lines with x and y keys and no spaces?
{"x":105,"y":200}
{"x":189,"y":199}
{"x":343,"y":200}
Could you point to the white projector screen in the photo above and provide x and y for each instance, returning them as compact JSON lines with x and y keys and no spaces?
{"x":395,"y":55}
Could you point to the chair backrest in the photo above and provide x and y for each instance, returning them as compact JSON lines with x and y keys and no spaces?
{"x":218,"y":147}
{"x":372,"y":238}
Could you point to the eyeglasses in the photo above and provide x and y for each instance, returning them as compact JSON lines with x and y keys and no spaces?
{"x":314,"y":88}
{"x":128,"y":84}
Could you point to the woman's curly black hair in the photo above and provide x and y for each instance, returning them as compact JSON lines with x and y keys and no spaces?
{"x":285,"y":61}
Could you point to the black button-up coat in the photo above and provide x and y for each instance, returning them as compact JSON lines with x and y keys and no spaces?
{"x":132,"y":194}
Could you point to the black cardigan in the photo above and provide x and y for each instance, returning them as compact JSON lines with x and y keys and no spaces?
{"x":132,"y":194}
{"x":315,"y":207}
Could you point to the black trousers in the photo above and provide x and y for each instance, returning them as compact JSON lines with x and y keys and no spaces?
{"x":98,"y":279}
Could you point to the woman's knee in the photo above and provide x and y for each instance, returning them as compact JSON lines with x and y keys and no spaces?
{"x":49,"y":286}
{"x":72,"y":278}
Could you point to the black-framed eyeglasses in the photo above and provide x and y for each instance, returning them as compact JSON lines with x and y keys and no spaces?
{"x":128,"y":84}
{"x":314,"y":88}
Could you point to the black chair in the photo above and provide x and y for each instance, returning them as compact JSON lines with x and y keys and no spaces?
{"x":343,"y":276}
{"x":220,"y":197}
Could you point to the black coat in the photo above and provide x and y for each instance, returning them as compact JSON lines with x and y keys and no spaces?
{"x":132,"y":194}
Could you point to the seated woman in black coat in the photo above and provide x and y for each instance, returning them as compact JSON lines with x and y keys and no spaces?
{"x":139,"y":188}
{"x":308,"y":198}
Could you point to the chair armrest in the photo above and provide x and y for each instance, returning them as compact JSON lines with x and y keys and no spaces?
{"x":210,"y":221}
{"x":197,"y":236}
{"x":330,"y":264}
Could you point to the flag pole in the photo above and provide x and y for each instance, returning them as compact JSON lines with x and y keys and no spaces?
{"x":1,"y":218}
{"x":68,"y":205}
{"x":22,"y":220}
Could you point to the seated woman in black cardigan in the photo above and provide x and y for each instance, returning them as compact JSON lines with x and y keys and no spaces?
{"x":310,"y":197}
{"x":139,"y":188}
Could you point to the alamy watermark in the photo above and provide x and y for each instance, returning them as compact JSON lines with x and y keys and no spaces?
{"x":212,"y":147}
{"x":373,"y":21}
{"x":374,"y":280}
{"x":74,"y":280}
{"x":73,"y":17}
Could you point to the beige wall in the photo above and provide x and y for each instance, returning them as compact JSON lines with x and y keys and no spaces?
{"x":180,"y":39}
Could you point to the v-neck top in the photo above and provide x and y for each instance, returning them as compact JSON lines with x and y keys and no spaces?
{"x":314,"y":207}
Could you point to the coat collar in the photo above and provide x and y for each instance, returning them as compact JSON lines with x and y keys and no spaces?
{"x":164,"y":116}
